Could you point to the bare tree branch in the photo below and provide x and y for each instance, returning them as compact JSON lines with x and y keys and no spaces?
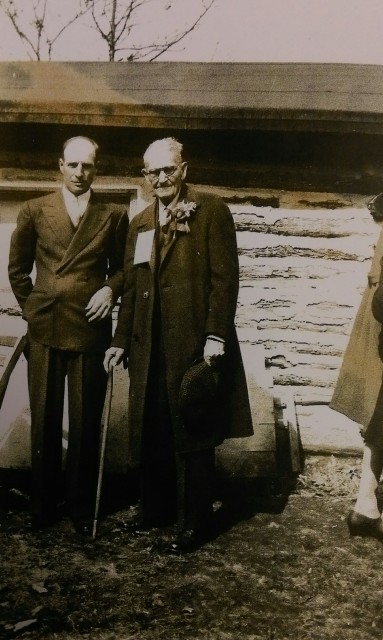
{"x":121,"y":25}
{"x":39,"y":37}
{"x":39,"y":21}
{"x":166,"y":46}
{"x":115,"y":21}
{"x":11,"y":13}
{"x":75,"y":18}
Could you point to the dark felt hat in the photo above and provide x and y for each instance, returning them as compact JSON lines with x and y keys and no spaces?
{"x":198,"y":393}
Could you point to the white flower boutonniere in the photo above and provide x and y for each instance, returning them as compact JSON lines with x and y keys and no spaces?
{"x":180,"y":216}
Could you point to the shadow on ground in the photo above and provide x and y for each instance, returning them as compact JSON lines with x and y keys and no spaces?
{"x":236,"y":499}
{"x":280,"y":566}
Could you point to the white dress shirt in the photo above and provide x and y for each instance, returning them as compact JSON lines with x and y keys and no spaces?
{"x":75,"y":205}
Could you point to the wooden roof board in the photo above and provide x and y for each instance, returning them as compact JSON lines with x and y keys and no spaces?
{"x":193,"y":95}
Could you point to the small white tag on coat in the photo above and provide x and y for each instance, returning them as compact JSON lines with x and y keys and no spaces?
{"x":144,"y":246}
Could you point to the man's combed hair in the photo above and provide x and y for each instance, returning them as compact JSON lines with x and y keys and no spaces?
{"x":94,"y":144}
{"x":169,"y":143}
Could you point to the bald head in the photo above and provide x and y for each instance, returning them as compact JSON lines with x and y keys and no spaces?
{"x":81,"y":142}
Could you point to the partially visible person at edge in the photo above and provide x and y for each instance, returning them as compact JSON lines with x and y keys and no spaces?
{"x":359,"y":391}
{"x":76,"y":244}
{"x":178,"y":305}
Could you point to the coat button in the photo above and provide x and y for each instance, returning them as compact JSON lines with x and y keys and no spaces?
{"x":146,"y":295}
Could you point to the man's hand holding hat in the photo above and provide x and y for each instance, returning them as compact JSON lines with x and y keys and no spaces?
{"x":214,"y":348}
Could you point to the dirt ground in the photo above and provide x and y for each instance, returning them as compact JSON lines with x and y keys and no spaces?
{"x":280,"y":565}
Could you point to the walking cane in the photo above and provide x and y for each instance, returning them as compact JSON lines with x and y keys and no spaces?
{"x":104,"y":434}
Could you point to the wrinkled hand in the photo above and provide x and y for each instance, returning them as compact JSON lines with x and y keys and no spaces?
{"x":113,"y":357}
{"x":213,"y":350}
{"x":100,"y":305}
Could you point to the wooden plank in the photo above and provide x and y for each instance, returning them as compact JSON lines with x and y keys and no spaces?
{"x":8,"y":341}
{"x":9,"y":364}
{"x":291,"y":268}
{"x":271,"y":245}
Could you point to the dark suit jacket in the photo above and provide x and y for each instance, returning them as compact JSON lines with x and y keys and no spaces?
{"x":198,"y":279}
{"x":70,"y":267}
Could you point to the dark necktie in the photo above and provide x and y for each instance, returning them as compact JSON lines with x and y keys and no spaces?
{"x":164,"y":220}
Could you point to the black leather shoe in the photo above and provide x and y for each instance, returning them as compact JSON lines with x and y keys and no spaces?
{"x":39,"y":522}
{"x":186,"y":541}
{"x":359,"y":525}
{"x":138,"y":528}
{"x":142,"y":525}
{"x":83,"y":527}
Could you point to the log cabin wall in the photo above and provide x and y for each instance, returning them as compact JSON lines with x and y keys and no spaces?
{"x":304,"y":267}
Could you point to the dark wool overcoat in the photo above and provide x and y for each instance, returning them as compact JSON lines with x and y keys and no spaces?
{"x":70,"y":268}
{"x":198,"y":280}
{"x":360,"y":377}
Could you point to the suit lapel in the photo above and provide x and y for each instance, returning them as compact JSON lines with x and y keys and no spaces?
{"x":92,"y":221}
{"x":58,"y":219}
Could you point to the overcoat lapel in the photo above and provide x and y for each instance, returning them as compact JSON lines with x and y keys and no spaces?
{"x":166,"y":248}
{"x":147,"y":223}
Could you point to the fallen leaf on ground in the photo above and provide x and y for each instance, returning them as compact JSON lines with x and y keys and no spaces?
{"x":39,"y":588}
{"x":25,"y":623}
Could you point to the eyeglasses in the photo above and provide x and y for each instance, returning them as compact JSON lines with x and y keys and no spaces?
{"x":155,"y":173}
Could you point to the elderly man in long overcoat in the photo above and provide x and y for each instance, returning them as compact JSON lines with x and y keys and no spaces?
{"x":178,"y":305}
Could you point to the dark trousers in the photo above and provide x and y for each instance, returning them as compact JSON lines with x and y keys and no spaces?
{"x":47,"y":370}
{"x":174,"y":487}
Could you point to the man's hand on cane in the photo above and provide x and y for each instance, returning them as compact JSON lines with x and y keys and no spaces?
{"x":113,"y":357}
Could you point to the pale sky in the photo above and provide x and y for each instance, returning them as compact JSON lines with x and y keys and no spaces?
{"x":249,"y":31}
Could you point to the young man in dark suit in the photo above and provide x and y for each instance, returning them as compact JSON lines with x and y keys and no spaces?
{"x":178,"y":305}
{"x":76,"y":245}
